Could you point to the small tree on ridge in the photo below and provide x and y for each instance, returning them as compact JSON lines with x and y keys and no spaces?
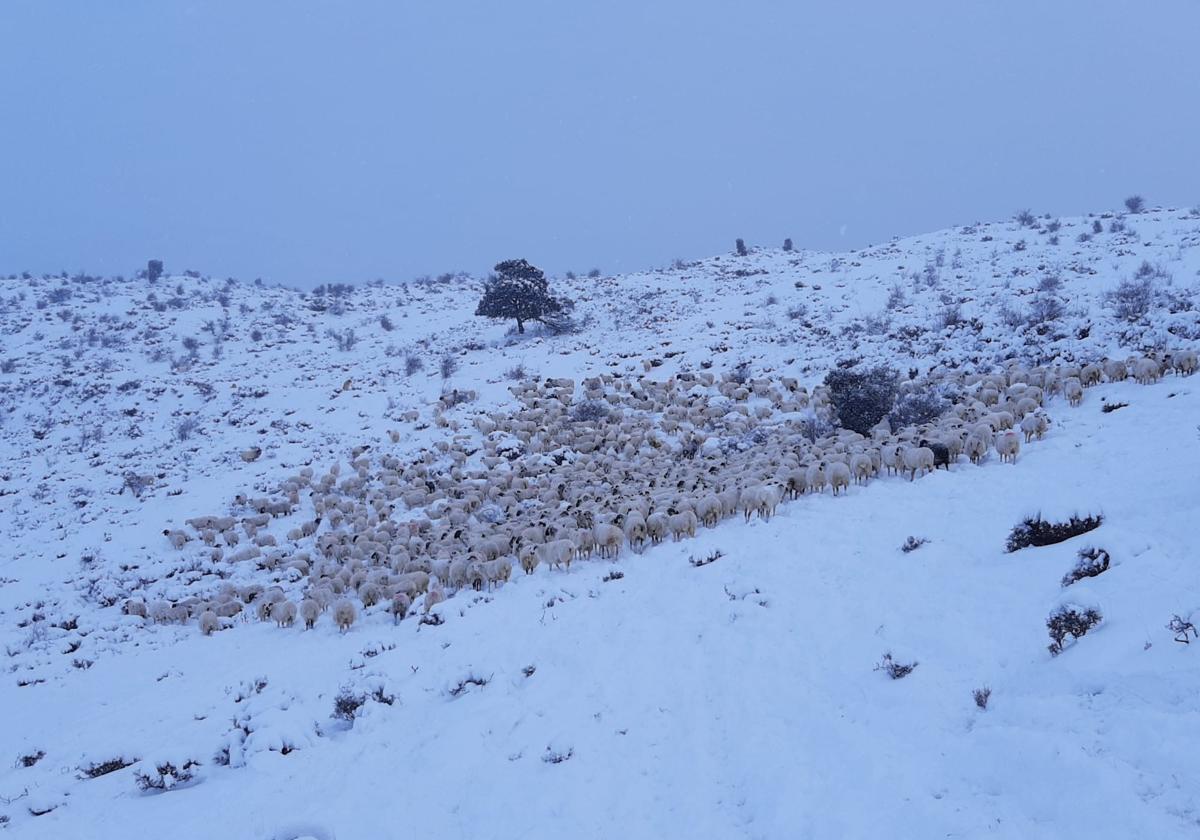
{"x":519,"y":291}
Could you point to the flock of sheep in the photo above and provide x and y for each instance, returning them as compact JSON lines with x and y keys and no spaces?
{"x":631,"y":464}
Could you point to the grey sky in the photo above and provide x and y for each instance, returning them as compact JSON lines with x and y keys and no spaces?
{"x":308,"y":142}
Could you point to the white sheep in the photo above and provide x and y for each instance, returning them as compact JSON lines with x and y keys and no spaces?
{"x":839,"y":476}
{"x":310,"y":610}
{"x":401,"y":604}
{"x":209,"y":623}
{"x":608,"y":539}
{"x":1008,"y":445}
{"x":682,"y":524}
{"x":283,"y":613}
{"x":344,"y":615}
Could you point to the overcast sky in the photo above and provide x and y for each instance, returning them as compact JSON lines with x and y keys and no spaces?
{"x":307,"y":142}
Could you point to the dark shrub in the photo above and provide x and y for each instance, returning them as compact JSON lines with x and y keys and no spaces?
{"x":862,"y":397}
{"x":1039,"y":532}
{"x":1025,"y":219}
{"x":154,"y":270}
{"x":787,"y":244}
{"x":1133,"y":296}
{"x":1182,"y":628}
{"x":895,"y":670}
{"x":917,"y":407}
{"x":1092,"y":562}
{"x":912,"y":544}
{"x":518,"y":291}
{"x":740,"y":247}
{"x":1069,"y":621}
{"x":1135,"y":204}
{"x":386,"y":323}
{"x":412,"y":364}
{"x":347,"y":704}
{"x":982,"y":695}
{"x":590,"y":411}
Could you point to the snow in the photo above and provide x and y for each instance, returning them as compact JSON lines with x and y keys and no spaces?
{"x":734,"y":699}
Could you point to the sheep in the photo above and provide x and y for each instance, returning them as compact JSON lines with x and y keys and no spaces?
{"x":1073,"y":391}
{"x":682,"y":524}
{"x":816,"y":477}
{"x":556,"y":553}
{"x":916,"y":458}
{"x":861,"y":467}
{"x":250,"y":455}
{"x":708,"y":510}
{"x":310,"y":609}
{"x":1146,"y":370}
{"x":839,"y":476}
{"x":1116,"y":370}
{"x":657,"y":526}
{"x":1008,"y":445}
{"x":941,"y":453}
{"x":178,"y":539}
{"x":1034,"y":425}
{"x":1186,"y":362}
{"x":209,"y":623}
{"x":608,"y":539}
{"x":401,"y":604}
{"x":433,"y":597}
{"x":635,"y":531}
{"x":529,"y":559}
{"x":134,"y":606}
{"x":283,"y":613}
{"x":344,"y":615}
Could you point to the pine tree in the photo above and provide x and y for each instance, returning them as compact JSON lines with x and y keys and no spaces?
{"x":518,"y":290}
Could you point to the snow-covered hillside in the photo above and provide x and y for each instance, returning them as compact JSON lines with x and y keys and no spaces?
{"x":649,"y":696}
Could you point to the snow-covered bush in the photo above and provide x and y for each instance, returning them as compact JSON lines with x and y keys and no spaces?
{"x":1070,"y":621}
{"x":1035,"y":531}
{"x":347,"y":704}
{"x":862,"y":397}
{"x":166,"y":776}
{"x":1091,"y":562}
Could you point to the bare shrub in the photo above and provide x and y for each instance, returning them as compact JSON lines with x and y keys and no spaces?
{"x":346,"y":705}
{"x":896,"y":298}
{"x":1181,"y":627}
{"x":345,"y":339}
{"x":740,"y":248}
{"x":1069,"y":621}
{"x":516,"y":373}
{"x":1025,"y":218}
{"x":895,"y":670}
{"x":386,"y":323}
{"x":1135,"y":204}
{"x":447,"y":366}
{"x":982,"y":695}
{"x":912,"y":544}
{"x":950,"y":316}
{"x":412,"y":364}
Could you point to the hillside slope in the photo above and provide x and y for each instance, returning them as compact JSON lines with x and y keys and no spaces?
{"x":735,"y":698}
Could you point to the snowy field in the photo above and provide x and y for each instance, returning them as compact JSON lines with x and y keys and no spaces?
{"x":646,"y":697}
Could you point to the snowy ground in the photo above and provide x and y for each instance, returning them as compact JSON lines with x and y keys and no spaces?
{"x":735,"y":699}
